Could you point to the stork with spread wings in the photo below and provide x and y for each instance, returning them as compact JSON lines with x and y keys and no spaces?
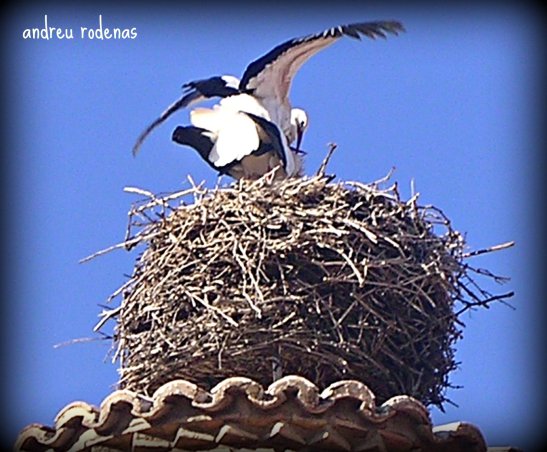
{"x":263,"y":90}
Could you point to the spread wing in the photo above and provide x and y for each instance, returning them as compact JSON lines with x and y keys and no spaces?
{"x":271,"y":75}
{"x":194,"y":92}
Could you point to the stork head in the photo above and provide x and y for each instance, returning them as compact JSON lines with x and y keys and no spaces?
{"x":299,"y":123}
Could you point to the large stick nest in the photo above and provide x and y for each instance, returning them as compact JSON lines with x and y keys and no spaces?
{"x":305,"y":276}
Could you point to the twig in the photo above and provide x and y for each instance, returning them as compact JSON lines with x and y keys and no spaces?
{"x":323,"y":167}
{"x":81,"y":340}
{"x":502,"y":246}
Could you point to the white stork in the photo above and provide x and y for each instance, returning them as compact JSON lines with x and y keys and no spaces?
{"x":264,"y":87}
{"x":238,"y":143}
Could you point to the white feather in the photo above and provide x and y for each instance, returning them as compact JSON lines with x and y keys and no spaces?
{"x":206,"y":118}
{"x":236,"y":139}
{"x":231,"y":81}
{"x":235,"y":133}
{"x":243,"y":102}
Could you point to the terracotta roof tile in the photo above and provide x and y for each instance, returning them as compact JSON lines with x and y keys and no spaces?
{"x":238,"y":413}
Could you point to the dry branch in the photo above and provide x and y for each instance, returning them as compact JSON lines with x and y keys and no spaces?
{"x":303,"y":276}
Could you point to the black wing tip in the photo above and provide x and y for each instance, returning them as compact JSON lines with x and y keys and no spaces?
{"x":179,"y":104}
{"x":379,"y":28}
{"x":372,"y":29}
{"x":136,"y":149}
{"x":137,"y":146}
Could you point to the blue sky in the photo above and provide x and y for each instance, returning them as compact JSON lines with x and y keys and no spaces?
{"x":450,"y":104}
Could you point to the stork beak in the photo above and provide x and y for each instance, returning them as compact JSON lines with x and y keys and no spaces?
{"x":299,"y":134}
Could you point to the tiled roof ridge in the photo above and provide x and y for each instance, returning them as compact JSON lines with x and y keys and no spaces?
{"x":237,"y":403}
